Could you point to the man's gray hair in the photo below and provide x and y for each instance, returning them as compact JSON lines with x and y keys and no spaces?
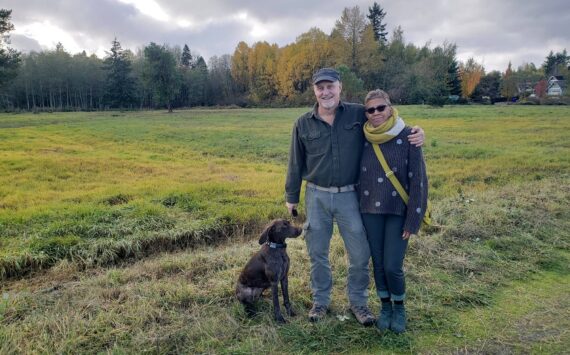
{"x":378,"y":94}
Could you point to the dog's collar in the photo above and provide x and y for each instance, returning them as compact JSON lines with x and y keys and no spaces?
{"x":276,"y":245}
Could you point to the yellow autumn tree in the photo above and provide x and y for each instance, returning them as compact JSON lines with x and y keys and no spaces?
{"x":470,"y":74}
{"x":508,"y":84}
{"x":347,"y":37}
{"x":370,"y":57}
{"x":262,"y":65}
{"x":239,"y":66}
{"x":298,"y":61}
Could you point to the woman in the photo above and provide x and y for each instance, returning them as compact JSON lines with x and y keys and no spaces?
{"x":388,"y":221}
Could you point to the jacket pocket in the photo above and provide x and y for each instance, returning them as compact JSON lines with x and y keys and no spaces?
{"x":314,"y":143}
{"x":353,"y":125}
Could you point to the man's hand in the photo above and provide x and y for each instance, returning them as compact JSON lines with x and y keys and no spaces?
{"x":291,"y":207}
{"x":417,"y":137}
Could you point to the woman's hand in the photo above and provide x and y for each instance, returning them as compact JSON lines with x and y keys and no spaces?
{"x":417,"y":137}
{"x":406,"y":235}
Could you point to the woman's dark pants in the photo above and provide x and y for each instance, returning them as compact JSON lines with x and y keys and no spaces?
{"x":388,"y":249}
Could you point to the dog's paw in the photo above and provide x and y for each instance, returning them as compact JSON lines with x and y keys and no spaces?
{"x":279,"y":319}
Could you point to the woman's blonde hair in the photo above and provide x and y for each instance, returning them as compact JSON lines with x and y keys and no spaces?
{"x":378,"y":94}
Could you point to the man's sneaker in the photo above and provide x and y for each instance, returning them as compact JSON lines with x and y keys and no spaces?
{"x":317,"y":312}
{"x":363,"y":315}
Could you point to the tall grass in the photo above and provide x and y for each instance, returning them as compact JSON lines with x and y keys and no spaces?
{"x":183,"y":302}
{"x":95,"y":188}
{"x":80,"y":190}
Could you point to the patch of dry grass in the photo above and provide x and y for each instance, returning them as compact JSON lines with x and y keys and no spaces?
{"x":184,"y":301}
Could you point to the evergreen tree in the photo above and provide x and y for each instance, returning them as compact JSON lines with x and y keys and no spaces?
{"x":555,"y":62}
{"x":453,"y":79}
{"x":186,"y":65}
{"x":9,"y":57}
{"x":186,"y":59}
{"x":120,"y":88}
{"x":489,"y":86}
{"x":198,"y":87}
{"x":549,"y":64}
{"x":376,"y":15}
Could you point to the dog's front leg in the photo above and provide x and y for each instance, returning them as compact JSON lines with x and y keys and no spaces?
{"x":285,"y":290}
{"x":276,"y":308}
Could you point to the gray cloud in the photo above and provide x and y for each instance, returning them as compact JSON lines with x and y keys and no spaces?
{"x":24,"y":43}
{"x":492,"y":32}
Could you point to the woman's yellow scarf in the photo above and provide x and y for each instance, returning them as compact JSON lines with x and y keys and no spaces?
{"x":386,"y":131}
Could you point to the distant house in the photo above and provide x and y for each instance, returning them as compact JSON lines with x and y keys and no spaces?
{"x":525,"y":88}
{"x":556,"y":86}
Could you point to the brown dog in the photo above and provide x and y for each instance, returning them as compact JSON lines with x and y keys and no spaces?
{"x":268,"y":267}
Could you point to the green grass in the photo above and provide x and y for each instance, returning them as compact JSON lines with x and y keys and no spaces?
{"x":77,"y":183}
{"x":467,"y":292}
{"x":85,"y":194}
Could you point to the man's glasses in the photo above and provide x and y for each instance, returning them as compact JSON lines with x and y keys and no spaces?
{"x":379,"y":108}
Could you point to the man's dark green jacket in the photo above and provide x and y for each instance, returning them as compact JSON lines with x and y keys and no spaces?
{"x":323,"y":154}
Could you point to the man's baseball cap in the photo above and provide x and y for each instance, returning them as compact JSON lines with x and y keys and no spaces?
{"x":328,"y":74}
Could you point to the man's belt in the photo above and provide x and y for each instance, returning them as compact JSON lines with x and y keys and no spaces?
{"x":332,"y":189}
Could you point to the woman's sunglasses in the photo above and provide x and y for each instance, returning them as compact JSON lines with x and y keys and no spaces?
{"x":379,"y":108}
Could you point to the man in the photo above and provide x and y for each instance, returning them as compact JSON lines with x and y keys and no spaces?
{"x":325,"y":151}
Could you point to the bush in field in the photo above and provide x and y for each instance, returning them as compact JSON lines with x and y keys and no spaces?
{"x":555,"y":100}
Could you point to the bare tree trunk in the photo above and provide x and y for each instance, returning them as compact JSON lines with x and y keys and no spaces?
{"x":27,"y":96}
{"x":41,"y":95}
{"x":33,"y":97}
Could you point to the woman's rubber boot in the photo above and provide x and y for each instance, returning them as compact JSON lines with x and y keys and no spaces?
{"x":398,"y":324}
{"x":385,"y":317}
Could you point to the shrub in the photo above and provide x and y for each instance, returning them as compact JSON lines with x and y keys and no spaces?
{"x":437,"y":101}
{"x":556,"y":100}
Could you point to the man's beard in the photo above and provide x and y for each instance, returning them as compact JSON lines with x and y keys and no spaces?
{"x":329,"y":103}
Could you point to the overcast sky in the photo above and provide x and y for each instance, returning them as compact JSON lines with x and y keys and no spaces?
{"x":493,"y":32}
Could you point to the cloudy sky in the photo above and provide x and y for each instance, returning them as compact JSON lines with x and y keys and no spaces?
{"x":493,"y":32}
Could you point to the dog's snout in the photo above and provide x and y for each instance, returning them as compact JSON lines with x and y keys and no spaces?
{"x":297,"y":231}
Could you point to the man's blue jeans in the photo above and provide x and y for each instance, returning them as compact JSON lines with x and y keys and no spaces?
{"x":322,"y":209}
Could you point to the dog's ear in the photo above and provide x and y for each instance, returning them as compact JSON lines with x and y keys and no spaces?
{"x":265,"y":234}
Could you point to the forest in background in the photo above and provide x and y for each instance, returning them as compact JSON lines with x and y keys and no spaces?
{"x":262,"y":74}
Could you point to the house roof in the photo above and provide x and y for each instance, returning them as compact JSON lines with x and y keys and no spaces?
{"x":556,"y":78}
{"x":561,"y":83}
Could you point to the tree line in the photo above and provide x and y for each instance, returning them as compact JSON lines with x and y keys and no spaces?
{"x":263,"y":74}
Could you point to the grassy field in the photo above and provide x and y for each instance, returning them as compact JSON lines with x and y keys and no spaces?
{"x":87,"y":194}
